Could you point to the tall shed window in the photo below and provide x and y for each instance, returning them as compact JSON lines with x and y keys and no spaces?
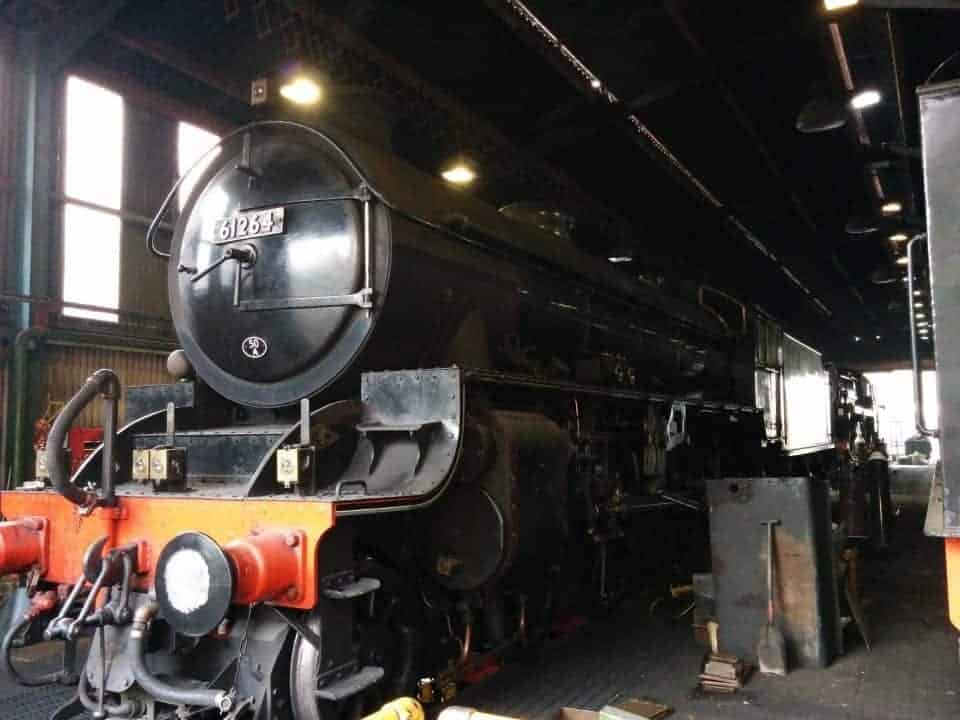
{"x":93,"y":185}
{"x":192,"y":143}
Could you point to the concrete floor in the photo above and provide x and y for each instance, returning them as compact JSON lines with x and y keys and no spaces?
{"x":911,"y":673}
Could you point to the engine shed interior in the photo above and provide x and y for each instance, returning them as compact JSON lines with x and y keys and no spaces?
{"x":528,"y":358}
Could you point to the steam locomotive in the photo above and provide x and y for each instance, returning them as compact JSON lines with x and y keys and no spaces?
{"x":402,"y":425}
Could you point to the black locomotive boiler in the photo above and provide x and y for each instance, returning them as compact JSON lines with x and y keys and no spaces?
{"x":402,"y":427}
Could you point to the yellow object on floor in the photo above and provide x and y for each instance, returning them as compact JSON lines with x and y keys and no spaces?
{"x":405,"y":708}
{"x":456,"y":712}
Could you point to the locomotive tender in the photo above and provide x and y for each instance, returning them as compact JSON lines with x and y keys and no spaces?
{"x":399,"y":420}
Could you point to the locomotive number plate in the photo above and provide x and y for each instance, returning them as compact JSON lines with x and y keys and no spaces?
{"x":250,"y":224}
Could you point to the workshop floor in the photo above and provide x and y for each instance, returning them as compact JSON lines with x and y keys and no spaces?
{"x":911,"y":673}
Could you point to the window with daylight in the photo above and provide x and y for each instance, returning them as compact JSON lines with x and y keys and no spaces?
{"x":93,"y":185}
{"x":192,"y":143}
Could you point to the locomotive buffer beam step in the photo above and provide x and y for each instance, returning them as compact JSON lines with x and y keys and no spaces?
{"x":355,"y":589}
{"x":351,"y":685}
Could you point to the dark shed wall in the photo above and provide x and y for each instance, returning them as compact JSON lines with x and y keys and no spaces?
{"x":8,"y":129}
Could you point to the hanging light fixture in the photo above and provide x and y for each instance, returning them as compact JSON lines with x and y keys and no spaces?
{"x":459,"y":171}
{"x":829,"y":112}
{"x":865,"y":99}
{"x":301,"y":90}
{"x":833,"y":5}
{"x":861,"y":223}
{"x":620,"y":255}
{"x":822,"y":114}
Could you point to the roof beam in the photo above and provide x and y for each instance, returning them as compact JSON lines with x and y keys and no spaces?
{"x":568,"y":134}
{"x":76,"y":27}
{"x":180,"y":62}
{"x":484,"y":131}
{"x":749,"y":128}
{"x":533,"y":31}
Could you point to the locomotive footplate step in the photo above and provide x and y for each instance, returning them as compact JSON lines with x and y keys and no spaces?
{"x":351,"y":685}
{"x":355,"y":589}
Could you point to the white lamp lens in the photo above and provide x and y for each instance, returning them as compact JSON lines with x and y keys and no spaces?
{"x":187,"y":580}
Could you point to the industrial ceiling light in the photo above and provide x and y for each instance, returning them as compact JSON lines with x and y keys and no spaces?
{"x":459,"y":172}
{"x":831,"y":5}
{"x":829,"y":110}
{"x":621,"y":253}
{"x":902,"y":260}
{"x":822,"y":114}
{"x":301,"y":90}
{"x":918,"y":293}
{"x":859,"y":224}
{"x":865,"y":99}
{"x":898,"y":237}
{"x":920,"y":316}
{"x":891,"y":208}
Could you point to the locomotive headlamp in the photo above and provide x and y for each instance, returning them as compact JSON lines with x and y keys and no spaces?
{"x":194,"y":584}
{"x":187,"y":579}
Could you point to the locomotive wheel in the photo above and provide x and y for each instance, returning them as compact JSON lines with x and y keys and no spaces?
{"x":388,"y":635}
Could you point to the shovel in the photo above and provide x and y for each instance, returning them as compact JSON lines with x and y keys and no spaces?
{"x":772,"y":649}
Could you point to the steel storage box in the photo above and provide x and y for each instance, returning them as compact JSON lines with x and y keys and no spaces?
{"x":939,"y":110}
{"x":805,"y":587}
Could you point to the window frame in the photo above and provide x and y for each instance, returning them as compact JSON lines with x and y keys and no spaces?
{"x":74,"y":310}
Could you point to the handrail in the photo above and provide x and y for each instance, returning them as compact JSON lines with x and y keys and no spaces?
{"x":919,"y":418}
{"x":213,"y":151}
{"x":102,"y":382}
{"x":716,"y":313}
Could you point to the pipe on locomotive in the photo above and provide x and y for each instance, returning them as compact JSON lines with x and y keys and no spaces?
{"x":154,"y":686}
{"x":121,"y":709}
{"x":6,"y":661}
{"x":102,"y":382}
